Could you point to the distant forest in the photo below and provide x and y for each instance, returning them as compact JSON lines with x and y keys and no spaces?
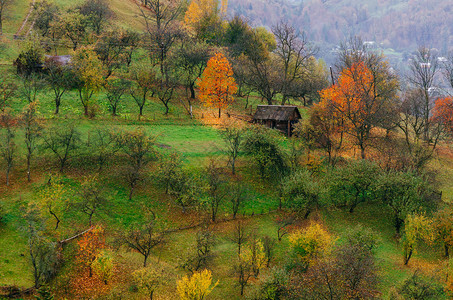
{"x":399,"y":24}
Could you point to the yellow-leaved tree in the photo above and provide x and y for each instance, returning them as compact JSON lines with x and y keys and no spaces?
{"x":217,"y":84}
{"x":311,"y":243}
{"x":88,"y":71}
{"x":203,"y":16}
{"x":196,"y":287}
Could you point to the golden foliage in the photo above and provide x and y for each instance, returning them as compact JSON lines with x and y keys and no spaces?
{"x":217,"y":84}
{"x":196,"y":287}
{"x":311,"y":243}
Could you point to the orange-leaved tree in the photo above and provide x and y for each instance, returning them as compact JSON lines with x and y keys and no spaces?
{"x":217,"y":84}
{"x":90,"y":245}
{"x":356,"y":100}
{"x":443,"y":113}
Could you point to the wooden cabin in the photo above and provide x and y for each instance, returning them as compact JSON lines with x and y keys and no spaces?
{"x":281,"y":117}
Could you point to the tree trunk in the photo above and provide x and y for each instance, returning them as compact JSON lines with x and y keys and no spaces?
{"x":447,"y":254}
{"x":408,"y":255}
{"x":353,"y":206}
{"x":219,"y":112}
{"x":28,"y":167}
{"x":86,"y":110}
{"x":141,"y":112}
{"x":192,"y":91}
{"x":398,"y":224}
{"x":131,"y":192}
{"x":144,"y":261}
{"x":57,"y":105}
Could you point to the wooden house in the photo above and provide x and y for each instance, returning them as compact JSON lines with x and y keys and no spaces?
{"x":280,"y":117}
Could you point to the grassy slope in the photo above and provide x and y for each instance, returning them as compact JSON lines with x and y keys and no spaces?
{"x":197,"y":143}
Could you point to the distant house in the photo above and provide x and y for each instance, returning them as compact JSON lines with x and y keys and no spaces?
{"x":62,"y":60}
{"x":280,"y":117}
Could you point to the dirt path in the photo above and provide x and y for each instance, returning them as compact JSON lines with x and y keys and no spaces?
{"x":17,"y":35}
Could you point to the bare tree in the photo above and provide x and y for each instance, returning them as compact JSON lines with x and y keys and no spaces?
{"x":91,"y":197}
{"x":294,"y":53}
{"x":144,"y":236}
{"x":98,"y":13}
{"x":33,"y":130}
{"x":59,"y":78}
{"x":233,"y":136}
{"x":215,"y":188}
{"x":31,"y":84}
{"x":7,"y":145}
{"x":238,"y":196}
{"x":240,"y":235}
{"x":424,"y":68}
{"x":160,"y":21}
{"x":116,"y":89}
{"x":139,"y":150}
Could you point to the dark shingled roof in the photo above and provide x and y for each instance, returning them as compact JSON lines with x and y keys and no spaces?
{"x":275,"y":112}
{"x":62,"y":59}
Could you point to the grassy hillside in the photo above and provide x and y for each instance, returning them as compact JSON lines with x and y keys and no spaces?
{"x":199,"y":143}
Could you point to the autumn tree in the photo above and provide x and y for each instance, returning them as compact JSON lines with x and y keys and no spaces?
{"x":323,"y":130}
{"x":186,"y":187}
{"x":88,"y":71}
{"x":443,"y":229}
{"x":7,"y":91}
{"x":196,"y":287}
{"x":356,"y":101}
{"x":138,"y":148}
{"x":33,"y":130}
{"x":310,"y":244}
{"x":89,"y":246}
{"x":254,"y":254}
{"x":104,"y":265}
{"x":149,"y":279}
{"x":418,"y":228}
{"x":31,"y":84}
{"x":52,"y":199}
{"x":237,"y":197}
{"x":443,"y":113}
{"x":240,"y":235}
{"x":45,"y":13}
{"x":8,"y":146}
{"x":217,"y":84}
{"x":203,"y":19}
